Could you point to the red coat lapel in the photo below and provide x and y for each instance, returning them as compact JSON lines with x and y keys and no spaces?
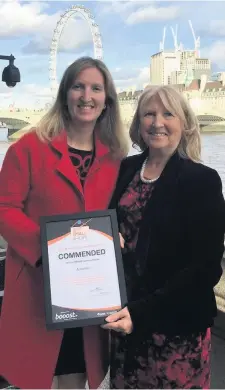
{"x":64,"y":165}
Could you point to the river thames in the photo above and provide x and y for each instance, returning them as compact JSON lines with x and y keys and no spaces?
{"x":213,"y":152}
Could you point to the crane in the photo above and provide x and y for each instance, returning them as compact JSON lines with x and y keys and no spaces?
{"x":162,"y":43}
{"x":196,"y":40}
{"x":178,"y":47}
{"x":174,"y":33}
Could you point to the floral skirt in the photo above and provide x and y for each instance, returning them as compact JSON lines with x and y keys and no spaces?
{"x":160,"y":362}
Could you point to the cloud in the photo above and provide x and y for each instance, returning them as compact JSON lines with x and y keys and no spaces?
{"x":121,"y":74}
{"x":31,"y":21}
{"x":5,"y":95}
{"x":21,"y":19}
{"x":215,"y":52}
{"x":37,"y":91}
{"x":147,"y":14}
{"x":138,"y":79}
{"x":122,"y":6}
{"x":133,"y":12}
{"x":74,"y":35}
{"x":26,"y":96}
{"x":215,"y":28}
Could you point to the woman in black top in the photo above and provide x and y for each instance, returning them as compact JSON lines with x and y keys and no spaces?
{"x":171,"y":214}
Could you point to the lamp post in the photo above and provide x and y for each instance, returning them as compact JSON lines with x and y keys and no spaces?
{"x":10,"y":74}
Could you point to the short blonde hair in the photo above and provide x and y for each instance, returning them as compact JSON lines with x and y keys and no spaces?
{"x":174,"y":102}
{"x":110,"y":128}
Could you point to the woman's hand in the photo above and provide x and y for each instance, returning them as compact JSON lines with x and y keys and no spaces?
{"x":120,"y":322}
{"x":121,"y":240}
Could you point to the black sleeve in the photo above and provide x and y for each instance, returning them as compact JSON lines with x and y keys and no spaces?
{"x":115,"y":196}
{"x":205,"y":244}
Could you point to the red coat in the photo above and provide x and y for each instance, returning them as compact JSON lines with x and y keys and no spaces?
{"x":39,"y":179}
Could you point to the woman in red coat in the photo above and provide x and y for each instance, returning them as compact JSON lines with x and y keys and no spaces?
{"x":69,"y":163}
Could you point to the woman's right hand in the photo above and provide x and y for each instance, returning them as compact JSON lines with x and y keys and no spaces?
{"x":121,"y":240}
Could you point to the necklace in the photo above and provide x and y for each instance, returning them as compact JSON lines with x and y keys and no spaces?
{"x":147,"y":181}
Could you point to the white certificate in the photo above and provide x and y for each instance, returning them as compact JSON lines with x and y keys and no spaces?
{"x":83,"y":271}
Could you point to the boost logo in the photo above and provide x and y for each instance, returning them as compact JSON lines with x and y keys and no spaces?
{"x":65,"y":316}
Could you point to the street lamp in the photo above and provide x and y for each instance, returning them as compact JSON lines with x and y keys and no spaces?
{"x":11,"y":74}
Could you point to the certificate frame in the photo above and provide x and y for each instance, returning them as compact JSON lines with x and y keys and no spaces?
{"x":46,"y":237}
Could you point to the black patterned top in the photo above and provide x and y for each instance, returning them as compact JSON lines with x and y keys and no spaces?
{"x":71,"y":357}
{"x":82,"y":160}
{"x":130,"y":210}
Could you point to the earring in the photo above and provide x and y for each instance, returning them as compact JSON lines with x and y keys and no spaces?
{"x":104,"y":106}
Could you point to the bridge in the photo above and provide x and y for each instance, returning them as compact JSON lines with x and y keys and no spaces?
{"x":13,"y":124}
{"x":207,"y":119}
{"x":208,"y":112}
{"x":20,"y":119}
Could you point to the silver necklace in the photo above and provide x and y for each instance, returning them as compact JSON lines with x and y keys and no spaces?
{"x":147,"y":181}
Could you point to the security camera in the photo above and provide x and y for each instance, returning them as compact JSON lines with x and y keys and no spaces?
{"x":11,"y":74}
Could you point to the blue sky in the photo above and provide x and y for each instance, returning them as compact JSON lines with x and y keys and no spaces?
{"x":131,"y":32}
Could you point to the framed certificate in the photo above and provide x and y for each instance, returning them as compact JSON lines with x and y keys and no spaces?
{"x":82,"y":266}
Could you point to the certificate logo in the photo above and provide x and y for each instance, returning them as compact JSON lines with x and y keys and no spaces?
{"x":79,"y":232}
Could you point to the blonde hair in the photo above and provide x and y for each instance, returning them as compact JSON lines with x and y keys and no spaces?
{"x":110,"y":128}
{"x":174,"y":102}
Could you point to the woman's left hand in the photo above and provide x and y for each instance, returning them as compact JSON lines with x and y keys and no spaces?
{"x":120,"y":322}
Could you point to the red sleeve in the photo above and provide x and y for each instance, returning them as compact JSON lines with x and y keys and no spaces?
{"x":21,"y":233}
